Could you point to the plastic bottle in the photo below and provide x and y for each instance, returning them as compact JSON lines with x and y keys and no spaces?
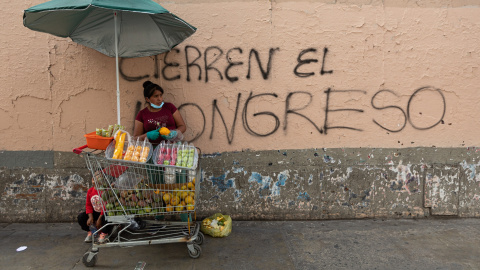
{"x":93,"y":229}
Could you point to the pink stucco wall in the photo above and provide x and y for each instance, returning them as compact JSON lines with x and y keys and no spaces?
{"x":426,"y":54}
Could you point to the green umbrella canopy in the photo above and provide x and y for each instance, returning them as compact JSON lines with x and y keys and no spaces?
{"x":144,"y":27}
{"x":117,"y":28}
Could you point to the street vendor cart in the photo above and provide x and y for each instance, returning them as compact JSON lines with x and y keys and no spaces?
{"x":142,"y":198}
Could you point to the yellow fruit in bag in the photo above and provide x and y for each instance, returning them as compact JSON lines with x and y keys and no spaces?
{"x":144,"y":155}
{"x":117,"y":139}
{"x":129,"y":153}
{"x":119,"y":148}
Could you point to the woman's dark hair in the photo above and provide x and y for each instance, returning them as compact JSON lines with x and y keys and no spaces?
{"x":149,"y":88}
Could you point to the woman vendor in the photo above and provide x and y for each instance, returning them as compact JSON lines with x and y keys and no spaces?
{"x":156,"y":115}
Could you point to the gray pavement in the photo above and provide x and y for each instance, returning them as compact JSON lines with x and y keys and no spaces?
{"x":336,"y":244}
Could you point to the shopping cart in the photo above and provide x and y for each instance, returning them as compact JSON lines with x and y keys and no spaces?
{"x":140,"y":199}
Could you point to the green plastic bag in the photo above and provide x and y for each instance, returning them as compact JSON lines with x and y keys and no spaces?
{"x":217,"y":225}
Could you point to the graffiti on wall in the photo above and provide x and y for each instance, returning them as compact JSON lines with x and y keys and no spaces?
{"x":202,"y":67}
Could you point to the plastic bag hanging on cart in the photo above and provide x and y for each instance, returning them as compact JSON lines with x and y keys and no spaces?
{"x":129,"y":180}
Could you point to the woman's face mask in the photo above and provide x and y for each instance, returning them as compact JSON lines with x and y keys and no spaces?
{"x":155,"y":99}
{"x":156,"y":106}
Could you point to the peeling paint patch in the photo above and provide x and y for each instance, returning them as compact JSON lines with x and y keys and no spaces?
{"x":404,"y":179}
{"x":328,"y":159}
{"x":237,"y":195}
{"x":282,"y":178}
{"x":267,"y":187}
{"x":213,"y":155}
{"x":238,"y":169}
{"x":303,"y":196}
{"x":310,"y":179}
{"x":340,"y":178}
{"x":470,"y":171}
{"x":28,"y":188}
{"x":221,"y":184}
{"x":255,"y":177}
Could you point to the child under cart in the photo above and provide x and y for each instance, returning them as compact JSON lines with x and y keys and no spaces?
{"x":93,"y":218}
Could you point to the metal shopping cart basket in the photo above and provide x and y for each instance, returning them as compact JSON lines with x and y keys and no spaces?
{"x":140,"y":200}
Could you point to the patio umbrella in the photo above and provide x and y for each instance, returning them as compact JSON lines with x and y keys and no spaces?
{"x":117,"y":28}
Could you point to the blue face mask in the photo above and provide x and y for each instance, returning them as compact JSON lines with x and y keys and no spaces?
{"x":155,"y":106}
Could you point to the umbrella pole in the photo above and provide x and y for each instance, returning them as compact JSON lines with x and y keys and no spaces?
{"x":117,"y":71}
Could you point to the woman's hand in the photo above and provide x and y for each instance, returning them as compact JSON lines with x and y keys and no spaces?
{"x":171,"y":135}
{"x":153,"y":135}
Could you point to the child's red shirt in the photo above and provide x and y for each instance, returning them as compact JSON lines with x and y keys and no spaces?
{"x":94,"y":202}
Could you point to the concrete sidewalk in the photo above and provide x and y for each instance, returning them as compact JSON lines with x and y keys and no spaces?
{"x":338,"y":244}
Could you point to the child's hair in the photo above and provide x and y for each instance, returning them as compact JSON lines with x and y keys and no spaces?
{"x":97,"y":174}
{"x":100,"y":179}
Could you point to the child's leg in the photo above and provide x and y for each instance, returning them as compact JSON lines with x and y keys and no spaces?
{"x":96,"y":215}
{"x":82,"y":221}
{"x":107,"y":229}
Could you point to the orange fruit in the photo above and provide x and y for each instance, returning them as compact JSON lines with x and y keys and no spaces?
{"x":167,"y":197}
{"x":179,"y":207}
{"x":164,"y":131}
{"x":175,"y":200}
{"x":189,"y":200}
{"x":190,"y":207}
{"x":169,"y":208}
{"x":190,"y":185}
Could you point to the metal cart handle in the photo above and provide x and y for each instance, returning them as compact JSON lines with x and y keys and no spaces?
{"x":79,"y":150}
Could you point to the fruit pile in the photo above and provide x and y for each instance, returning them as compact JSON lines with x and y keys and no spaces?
{"x":145,"y":201}
{"x":180,"y":199}
{"x":135,"y":202}
{"x":108,"y":132}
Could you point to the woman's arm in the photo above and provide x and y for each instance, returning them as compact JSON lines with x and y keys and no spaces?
{"x":138,"y":130}
{"x":179,"y":122}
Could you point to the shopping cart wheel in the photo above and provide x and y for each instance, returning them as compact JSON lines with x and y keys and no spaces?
{"x":199,"y":239}
{"x":194,"y":251}
{"x":89,"y":259}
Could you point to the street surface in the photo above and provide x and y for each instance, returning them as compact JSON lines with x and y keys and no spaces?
{"x":336,"y":244}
